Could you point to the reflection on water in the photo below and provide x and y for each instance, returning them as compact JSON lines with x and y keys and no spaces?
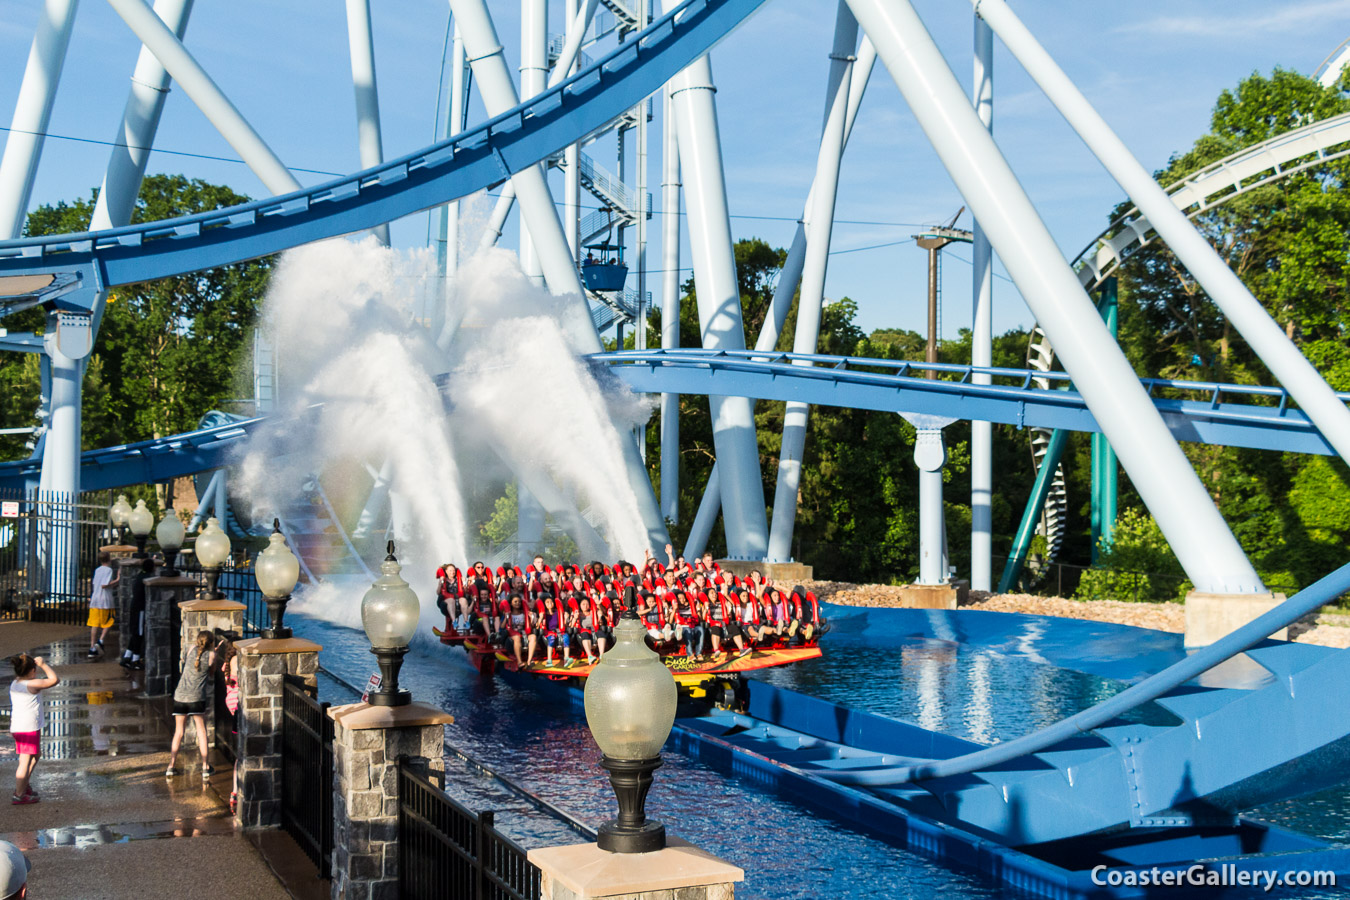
{"x":942,"y":686}
{"x":539,"y":741}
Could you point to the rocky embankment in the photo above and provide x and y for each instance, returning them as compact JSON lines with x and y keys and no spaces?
{"x":1328,"y":629}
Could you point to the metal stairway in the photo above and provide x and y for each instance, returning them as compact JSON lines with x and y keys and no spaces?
{"x":1054,"y":515}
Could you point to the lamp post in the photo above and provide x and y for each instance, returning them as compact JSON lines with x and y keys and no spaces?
{"x":118,"y":513}
{"x":170,"y":534}
{"x":278,"y":571}
{"x":630,"y":706}
{"x":141,"y":521}
{"x":213,"y":548}
{"x":389,"y":614}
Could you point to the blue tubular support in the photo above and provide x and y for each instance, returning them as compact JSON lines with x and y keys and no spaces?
{"x":1250,"y":416}
{"x":1311,"y":598}
{"x":1035,"y":503}
{"x":450,"y":169}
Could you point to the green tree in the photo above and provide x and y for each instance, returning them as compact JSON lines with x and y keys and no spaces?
{"x":167,"y":351}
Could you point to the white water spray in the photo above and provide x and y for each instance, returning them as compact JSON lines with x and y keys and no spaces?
{"x":345,"y":318}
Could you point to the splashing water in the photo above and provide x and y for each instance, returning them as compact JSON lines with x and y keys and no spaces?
{"x":357,"y":366}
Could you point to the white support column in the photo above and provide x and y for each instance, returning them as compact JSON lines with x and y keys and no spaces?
{"x":447,"y":251}
{"x":719,"y":304}
{"x":1159,"y":470}
{"x":640,"y":183}
{"x":208,"y":97}
{"x":571,"y":154}
{"x":819,"y":226}
{"x":140,"y":122}
{"x":33,"y":112}
{"x":540,"y":214}
{"x":930,"y":455}
{"x":566,"y":64}
{"x":61,"y":462}
{"x":788,"y":278}
{"x":361,"y":39}
{"x":1248,"y":316}
{"x":670,"y":309}
{"x":533,"y":77}
{"x":982,"y":342}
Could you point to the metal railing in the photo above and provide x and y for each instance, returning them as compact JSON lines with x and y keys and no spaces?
{"x":236,"y":582}
{"x":307,"y":772}
{"x":447,"y":850}
{"x":49,"y":546}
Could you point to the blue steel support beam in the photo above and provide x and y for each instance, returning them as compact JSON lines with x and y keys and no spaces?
{"x":830,"y":382}
{"x":456,"y":167}
{"x":893,"y":386}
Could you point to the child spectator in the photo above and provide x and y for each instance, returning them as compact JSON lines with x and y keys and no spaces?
{"x":32,"y":676}
{"x":101,"y":603}
{"x":189,"y":701}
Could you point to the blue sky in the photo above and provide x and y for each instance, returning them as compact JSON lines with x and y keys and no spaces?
{"x":1152,"y":68}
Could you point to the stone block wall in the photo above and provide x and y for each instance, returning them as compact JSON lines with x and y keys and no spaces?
{"x":162,"y":596}
{"x":367,"y":744}
{"x":263,"y":665}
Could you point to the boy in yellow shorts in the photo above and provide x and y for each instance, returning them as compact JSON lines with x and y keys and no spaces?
{"x":101,"y":603}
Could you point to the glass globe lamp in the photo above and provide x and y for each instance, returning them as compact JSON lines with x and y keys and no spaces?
{"x":277,"y":571}
{"x":118,"y":514}
{"x":212,"y":548}
{"x":170,"y":534}
{"x":389,"y":614}
{"x":141,"y":522}
{"x":630,"y":707}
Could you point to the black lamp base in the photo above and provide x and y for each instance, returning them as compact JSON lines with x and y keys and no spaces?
{"x":168,"y":570}
{"x":632,"y":831}
{"x":212,"y":574}
{"x":140,"y":544}
{"x":390,"y":660}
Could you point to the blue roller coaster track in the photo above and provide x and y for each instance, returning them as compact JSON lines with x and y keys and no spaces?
{"x":1087,"y":773}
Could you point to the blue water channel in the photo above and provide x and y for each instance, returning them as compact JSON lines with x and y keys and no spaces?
{"x":987,"y":680}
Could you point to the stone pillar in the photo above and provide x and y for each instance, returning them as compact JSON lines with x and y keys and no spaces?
{"x":584,"y":871}
{"x":263,"y":663}
{"x":127,"y":567}
{"x":367,"y":743}
{"x":205,"y":615}
{"x":1211,"y":616}
{"x":163,"y":593}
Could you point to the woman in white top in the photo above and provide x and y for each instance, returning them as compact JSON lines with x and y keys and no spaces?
{"x":26,"y":719}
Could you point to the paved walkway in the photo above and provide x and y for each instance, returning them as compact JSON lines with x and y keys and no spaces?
{"x":110,"y":824}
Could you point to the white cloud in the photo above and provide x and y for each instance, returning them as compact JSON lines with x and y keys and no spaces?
{"x":1222,"y":23}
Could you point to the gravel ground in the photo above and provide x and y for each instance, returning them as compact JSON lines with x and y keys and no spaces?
{"x":1329,"y":629}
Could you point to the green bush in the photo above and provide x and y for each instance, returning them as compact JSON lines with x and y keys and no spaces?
{"x":1136,"y":565}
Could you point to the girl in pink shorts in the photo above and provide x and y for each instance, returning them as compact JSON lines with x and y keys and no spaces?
{"x":32,"y":676}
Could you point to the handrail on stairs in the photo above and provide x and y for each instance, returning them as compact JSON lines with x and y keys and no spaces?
{"x":1314,"y":596}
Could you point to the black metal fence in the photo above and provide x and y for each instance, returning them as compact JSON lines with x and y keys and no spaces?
{"x":237,"y":582}
{"x":226,"y":738}
{"x":307,"y":772}
{"x":49,"y":544}
{"x":447,"y":850}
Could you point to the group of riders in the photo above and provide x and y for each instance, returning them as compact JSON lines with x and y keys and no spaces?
{"x":695,"y":611}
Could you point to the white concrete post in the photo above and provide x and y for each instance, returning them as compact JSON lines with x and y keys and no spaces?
{"x":208,"y":97}
{"x":982,"y":342}
{"x":1159,"y":470}
{"x":670,"y":307}
{"x":719,"y":304}
{"x":541,"y":216}
{"x":819,"y":225}
{"x":33,"y":112}
{"x":1248,"y":316}
{"x":361,"y":40}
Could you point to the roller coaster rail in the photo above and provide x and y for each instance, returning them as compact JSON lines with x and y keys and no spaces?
{"x":1263,"y":417}
{"x":482,"y":157}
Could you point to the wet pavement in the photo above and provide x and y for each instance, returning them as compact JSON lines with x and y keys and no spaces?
{"x":110,"y":824}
